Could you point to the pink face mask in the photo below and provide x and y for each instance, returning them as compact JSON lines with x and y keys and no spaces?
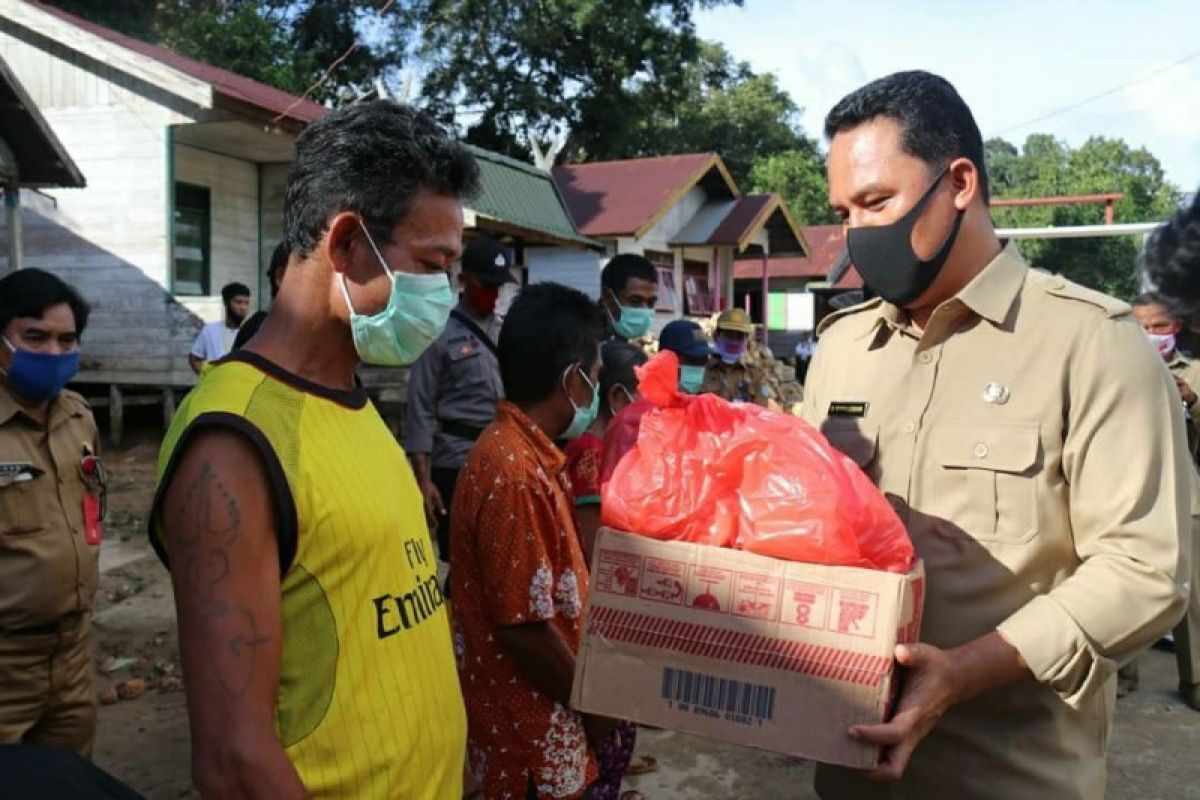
{"x":1163,"y":342}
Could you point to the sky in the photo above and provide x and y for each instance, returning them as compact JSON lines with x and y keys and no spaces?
{"x":1013,"y":61}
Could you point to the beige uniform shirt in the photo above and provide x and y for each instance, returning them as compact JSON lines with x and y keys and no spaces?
{"x":47,"y":568}
{"x":1027,"y":441}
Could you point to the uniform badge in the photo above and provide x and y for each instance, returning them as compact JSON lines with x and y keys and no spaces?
{"x":996,"y":394}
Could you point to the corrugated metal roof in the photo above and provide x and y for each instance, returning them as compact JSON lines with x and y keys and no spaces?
{"x":41,"y":158}
{"x":523,"y":196}
{"x":618,"y":198}
{"x":229,"y":84}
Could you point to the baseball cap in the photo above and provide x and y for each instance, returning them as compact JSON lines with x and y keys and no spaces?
{"x":685,"y":338}
{"x":484,"y":258}
{"x":735,"y":319}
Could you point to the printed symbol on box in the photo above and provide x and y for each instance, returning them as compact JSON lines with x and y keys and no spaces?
{"x":855,"y":612}
{"x":618,"y":573}
{"x":806,"y":605}
{"x":756,"y":596}
{"x":662,"y":581}
{"x":708,"y":588}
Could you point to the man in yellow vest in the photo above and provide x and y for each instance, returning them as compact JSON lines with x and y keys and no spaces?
{"x":315,"y":640}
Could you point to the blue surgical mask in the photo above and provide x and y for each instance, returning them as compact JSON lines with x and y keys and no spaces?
{"x":413,"y":319}
{"x":691,"y":378}
{"x":38,"y":377}
{"x":634,"y":323}
{"x":584,"y":417}
{"x":730,"y":351}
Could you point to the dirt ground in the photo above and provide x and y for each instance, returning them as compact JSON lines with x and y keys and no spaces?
{"x":143,"y":740}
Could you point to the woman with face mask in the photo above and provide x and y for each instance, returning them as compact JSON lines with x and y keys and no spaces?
{"x":585,"y":458}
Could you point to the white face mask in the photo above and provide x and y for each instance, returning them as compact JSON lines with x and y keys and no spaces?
{"x":1163,"y":342}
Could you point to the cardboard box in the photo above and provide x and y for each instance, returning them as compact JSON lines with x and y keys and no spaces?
{"x":743,"y":648}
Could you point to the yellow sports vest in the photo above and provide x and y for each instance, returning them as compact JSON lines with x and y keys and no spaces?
{"x":369,"y":703}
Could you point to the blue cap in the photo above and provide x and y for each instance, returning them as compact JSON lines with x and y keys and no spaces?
{"x":684,"y":338}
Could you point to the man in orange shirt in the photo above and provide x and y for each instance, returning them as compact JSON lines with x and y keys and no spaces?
{"x":517,"y":573}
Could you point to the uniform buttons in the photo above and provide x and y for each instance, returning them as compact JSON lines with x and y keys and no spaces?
{"x":981,"y":450}
{"x":909,"y":427}
{"x":925,"y":357}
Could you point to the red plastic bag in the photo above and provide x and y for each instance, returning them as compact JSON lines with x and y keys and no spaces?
{"x":701,"y":469}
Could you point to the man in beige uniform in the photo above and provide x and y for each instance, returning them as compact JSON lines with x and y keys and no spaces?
{"x":727,"y":375}
{"x":1162,"y":327}
{"x":1018,"y":424}
{"x":50,"y":487}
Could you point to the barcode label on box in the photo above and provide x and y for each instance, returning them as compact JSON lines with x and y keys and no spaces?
{"x":719,"y":698}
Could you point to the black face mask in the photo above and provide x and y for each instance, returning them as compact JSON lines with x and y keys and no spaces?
{"x":884,"y":256}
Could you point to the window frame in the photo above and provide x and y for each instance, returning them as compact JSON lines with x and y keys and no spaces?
{"x":192,"y":198}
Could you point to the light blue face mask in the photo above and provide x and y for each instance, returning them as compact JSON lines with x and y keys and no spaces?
{"x":634,"y":323}
{"x":690,"y":378}
{"x":413,"y":319}
{"x":584,"y":417}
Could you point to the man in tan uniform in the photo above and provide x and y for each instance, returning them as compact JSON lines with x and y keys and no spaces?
{"x":50,"y":500}
{"x":727,"y":375}
{"x":1018,"y":424}
{"x":1162,"y":327}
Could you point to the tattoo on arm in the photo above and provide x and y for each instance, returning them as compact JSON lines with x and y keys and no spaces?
{"x":207,"y":524}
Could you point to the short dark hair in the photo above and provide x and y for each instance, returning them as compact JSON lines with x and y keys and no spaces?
{"x":620,"y":269}
{"x":371,"y":159}
{"x":548,"y":327}
{"x":232,"y":290}
{"x":1171,"y":261}
{"x":936,"y":125}
{"x":1149,"y":299}
{"x":29,"y":292}
{"x":618,"y":358}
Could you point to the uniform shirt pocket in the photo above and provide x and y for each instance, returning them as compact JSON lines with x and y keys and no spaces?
{"x":465,"y":360}
{"x":857,"y":439}
{"x":19,"y":506}
{"x":989,"y":471}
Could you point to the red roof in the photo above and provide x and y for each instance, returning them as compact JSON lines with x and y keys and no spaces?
{"x":737,"y":222}
{"x":619,"y":198}
{"x":223,"y":81}
{"x":826,"y":243}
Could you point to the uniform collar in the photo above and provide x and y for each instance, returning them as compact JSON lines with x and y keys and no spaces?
{"x":991,"y":294}
{"x":465,"y":308}
{"x":549,"y":456}
{"x":8,"y":405}
{"x":1176,"y":360}
{"x":994,"y":290}
{"x":59,"y":412}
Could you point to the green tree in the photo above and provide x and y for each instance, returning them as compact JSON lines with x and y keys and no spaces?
{"x":798,"y":175}
{"x":591,"y":71}
{"x":725,"y":107}
{"x":284,"y":43}
{"x":1048,"y":167}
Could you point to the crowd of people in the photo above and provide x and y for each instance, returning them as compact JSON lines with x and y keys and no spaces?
{"x":1041,"y":453}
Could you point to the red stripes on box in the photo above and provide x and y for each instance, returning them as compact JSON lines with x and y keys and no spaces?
{"x":745,"y":648}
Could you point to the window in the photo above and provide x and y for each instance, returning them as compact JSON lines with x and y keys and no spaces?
{"x":191,"y":249}
{"x":698,"y":293}
{"x":668,"y":296}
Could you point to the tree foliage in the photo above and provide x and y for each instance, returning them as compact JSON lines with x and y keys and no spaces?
{"x":1048,"y":167}
{"x":284,"y":43}
{"x":591,"y":71}
{"x":798,"y":175}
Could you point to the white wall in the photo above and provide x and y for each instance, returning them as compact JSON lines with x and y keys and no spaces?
{"x":110,"y":239}
{"x":272,"y":186}
{"x":234,"y":246}
{"x":579,"y":269}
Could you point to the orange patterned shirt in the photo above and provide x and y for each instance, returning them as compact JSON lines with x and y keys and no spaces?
{"x":515,"y":558}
